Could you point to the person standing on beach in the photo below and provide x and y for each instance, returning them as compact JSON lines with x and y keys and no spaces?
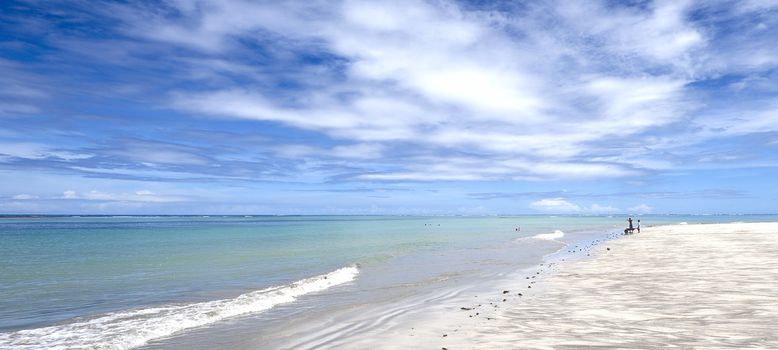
{"x":638,"y":228}
{"x":629,"y":229}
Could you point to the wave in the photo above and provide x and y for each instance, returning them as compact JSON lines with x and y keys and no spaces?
{"x":550,"y":236}
{"x":129,"y":329}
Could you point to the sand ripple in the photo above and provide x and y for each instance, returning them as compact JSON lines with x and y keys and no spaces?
{"x":687,"y":286}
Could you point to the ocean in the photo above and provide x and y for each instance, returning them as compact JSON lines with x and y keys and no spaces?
{"x":122,"y":282}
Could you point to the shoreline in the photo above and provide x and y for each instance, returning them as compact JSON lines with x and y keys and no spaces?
{"x":682,"y":285}
{"x":406,"y":322}
{"x":350,"y":317}
{"x":688,"y":286}
{"x":489,"y":297}
{"x":445,"y":319}
{"x":607,"y":291}
{"x":408,"y":261}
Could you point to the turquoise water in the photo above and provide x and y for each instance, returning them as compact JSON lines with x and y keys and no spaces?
{"x":66,"y":271}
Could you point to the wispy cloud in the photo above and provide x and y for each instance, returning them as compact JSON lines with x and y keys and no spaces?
{"x":641,"y":209}
{"x":34,"y":151}
{"x":696,"y":194}
{"x":147,"y":152}
{"x":561,"y":205}
{"x":137,"y":196}
{"x":24,"y":196}
{"x":416,"y":93}
{"x":443,"y":78}
{"x":556,"y":205}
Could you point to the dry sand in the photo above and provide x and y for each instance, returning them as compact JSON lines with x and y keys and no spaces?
{"x":682,"y":286}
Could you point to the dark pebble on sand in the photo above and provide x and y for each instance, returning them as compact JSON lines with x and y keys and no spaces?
{"x":608,"y":248}
{"x":505,"y":292}
{"x":519,"y":294}
{"x":465,"y":308}
{"x":529,"y":286}
{"x":445,"y":335}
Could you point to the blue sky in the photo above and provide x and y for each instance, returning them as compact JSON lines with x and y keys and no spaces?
{"x":388,"y":107}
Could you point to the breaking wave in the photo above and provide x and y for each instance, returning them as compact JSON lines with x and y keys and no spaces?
{"x":129,"y":329}
{"x":550,"y":236}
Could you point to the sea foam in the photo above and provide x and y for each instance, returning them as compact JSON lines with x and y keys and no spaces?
{"x":129,"y":329}
{"x":550,"y":236}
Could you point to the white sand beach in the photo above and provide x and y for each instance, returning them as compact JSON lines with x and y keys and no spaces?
{"x":681,"y":286}
{"x":685,"y":286}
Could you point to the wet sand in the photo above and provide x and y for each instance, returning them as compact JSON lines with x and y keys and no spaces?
{"x":683,"y":286}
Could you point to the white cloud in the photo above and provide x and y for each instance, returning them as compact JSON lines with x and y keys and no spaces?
{"x":740,"y":122}
{"x":151,"y":173}
{"x":36,"y":151}
{"x":561,"y":85}
{"x":480,"y":168}
{"x":641,"y":209}
{"x":358,"y":151}
{"x":555,"y":205}
{"x":561,"y":205}
{"x":420,"y":176}
{"x":137,"y":196}
{"x":432,"y":75}
{"x":24,"y":197}
{"x":68,"y":156}
{"x":351,"y":151}
{"x":160,"y":153}
{"x":661,"y":32}
{"x":602,"y":209}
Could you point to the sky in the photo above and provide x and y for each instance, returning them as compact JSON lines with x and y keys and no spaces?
{"x":388,"y":107}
